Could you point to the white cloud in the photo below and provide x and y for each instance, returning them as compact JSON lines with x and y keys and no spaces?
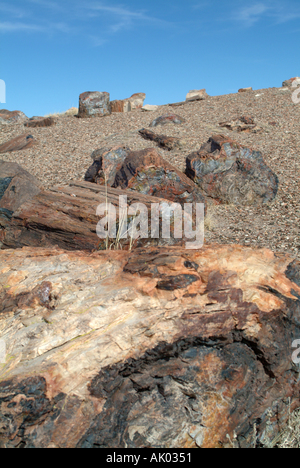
{"x":78,"y":19}
{"x":8,"y":26}
{"x":251,"y":14}
{"x":276,"y":11}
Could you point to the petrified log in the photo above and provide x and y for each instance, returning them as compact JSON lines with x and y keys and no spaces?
{"x":143,"y":171}
{"x":40,"y":122}
{"x":135,"y":101}
{"x":231,"y":173}
{"x":107,"y":162}
{"x":18,"y":143}
{"x":94,"y":104}
{"x":243,"y":124}
{"x":165,"y":142}
{"x":7,"y":116}
{"x":67,"y":216}
{"x":16,"y":187}
{"x":152,"y":348}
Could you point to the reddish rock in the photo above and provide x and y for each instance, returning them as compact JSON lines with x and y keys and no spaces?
{"x":94,"y":104}
{"x":67,"y":216}
{"x":158,"y":348}
{"x":40,"y":122}
{"x":136,"y":101}
{"x":166,"y":119}
{"x":165,"y":142}
{"x":11,"y":116}
{"x":230,"y":173}
{"x":16,"y":144}
{"x":146,"y":172}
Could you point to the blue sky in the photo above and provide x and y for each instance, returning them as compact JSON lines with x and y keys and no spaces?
{"x":51,"y":51}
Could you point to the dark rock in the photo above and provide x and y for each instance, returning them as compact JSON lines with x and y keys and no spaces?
{"x":231,"y":173}
{"x":17,"y":186}
{"x":107,"y":162}
{"x":16,"y":144}
{"x":94,"y":104}
{"x":166,"y":119}
{"x":40,"y":122}
{"x":165,"y":142}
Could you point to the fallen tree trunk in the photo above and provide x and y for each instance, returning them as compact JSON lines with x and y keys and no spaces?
{"x":150,"y":348}
{"x":66,"y":216}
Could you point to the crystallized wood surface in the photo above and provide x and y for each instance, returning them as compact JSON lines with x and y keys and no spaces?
{"x":153,"y":348}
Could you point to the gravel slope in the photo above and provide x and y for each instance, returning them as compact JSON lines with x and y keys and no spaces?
{"x":62,"y":154}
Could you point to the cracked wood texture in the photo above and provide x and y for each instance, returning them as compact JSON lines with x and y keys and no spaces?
{"x":66,"y":216}
{"x":150,"y":348}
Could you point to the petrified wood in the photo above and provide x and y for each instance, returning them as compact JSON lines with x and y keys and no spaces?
{"x":143,"y":171}
{"x":165,"y":142}
{"x":67,"y":216}
{"x":151,"y":348}
{"x":18,"y":143}
{"x":40,"y":122}
{"x":231,"y":173}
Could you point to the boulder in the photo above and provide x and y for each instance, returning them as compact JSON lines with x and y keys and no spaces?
{"x":196,"y":95}
{"x":231,"y":173}
{"x":245,"y":90}
{"x":18,"y":143}
{"x":107,"y":162}
{"x":40,"y":122}
{"x":163,"y":141}
{"x":289,"y":83}
{"x":94,"y":104}
{"x":7,"y":116}
{"x":136,"y":101}
{"x":166,"y":119}
{"x":244,"y":124}
{"x":17,"y":186}
{"x":144,"y":171}
{"x":66,"y":217}
{"x":155,"y":348}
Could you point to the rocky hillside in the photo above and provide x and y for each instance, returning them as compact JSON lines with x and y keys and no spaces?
{"x":62,"y":153}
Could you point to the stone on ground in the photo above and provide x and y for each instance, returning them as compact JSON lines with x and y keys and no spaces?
{"x":166,"y":119}
{"x":196,"y":95}
{"x":40,"y":122}
{"x":18,"y":143}
{"x":7,"y":116}
{"x":231,"y":174}
{"x":94,"y":104}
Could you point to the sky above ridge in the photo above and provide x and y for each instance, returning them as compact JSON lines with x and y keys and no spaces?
{"x":51,"y":51}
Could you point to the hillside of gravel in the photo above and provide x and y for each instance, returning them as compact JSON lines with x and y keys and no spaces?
{"x":62,"y":153}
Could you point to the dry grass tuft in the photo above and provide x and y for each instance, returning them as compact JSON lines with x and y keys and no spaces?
{"x":69,"y":112}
